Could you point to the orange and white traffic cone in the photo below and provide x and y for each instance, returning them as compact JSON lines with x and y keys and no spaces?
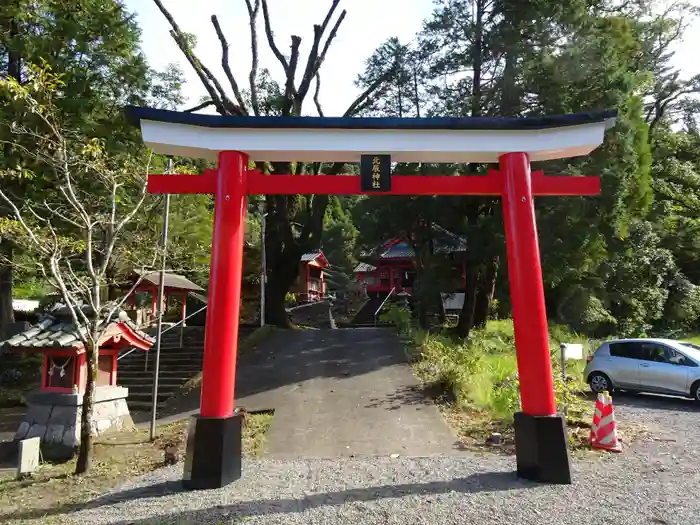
{"x":604,"y":430}
{"x":597,"y":414}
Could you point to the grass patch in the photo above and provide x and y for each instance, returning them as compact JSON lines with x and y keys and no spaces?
{"x":256,"y":425}
{"x":477,"y":381}
{"x":53,"y":489}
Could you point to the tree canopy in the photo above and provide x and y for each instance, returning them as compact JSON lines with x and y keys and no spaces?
{"x":625,"y":262}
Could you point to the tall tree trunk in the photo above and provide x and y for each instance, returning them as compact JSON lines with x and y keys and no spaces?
{"x":418,"y":241}
{"x":275,"y":292}
{"x":14,"y":67}
{"x":484,"y":296}
{"x":510,"y":97}
{"x":477,"y":58}
{"x":466,"y":316}
{"x":283,"y":249}
{"x":85,"y":451}
{"x":422,"y":303}
{"x":7,"y":315}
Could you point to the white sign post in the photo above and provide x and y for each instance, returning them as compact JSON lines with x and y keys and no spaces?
{"x":29,"y":450}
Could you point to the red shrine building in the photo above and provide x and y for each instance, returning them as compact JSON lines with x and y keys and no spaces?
{"x":311,"y":284}
{"x":53,"y":412}
{"x":391,"y":266}
{"x":175,"y":286}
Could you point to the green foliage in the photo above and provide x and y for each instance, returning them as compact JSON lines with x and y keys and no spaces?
{"x":480,"y":375}
{"x":340,"y":235}
{"x":397,"y":316}
{"x":30,"y":288}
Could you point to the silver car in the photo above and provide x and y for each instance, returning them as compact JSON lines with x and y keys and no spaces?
{"x":661,"y":366}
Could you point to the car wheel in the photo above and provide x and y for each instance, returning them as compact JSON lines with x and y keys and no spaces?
{"x":599,"y":382}
{"x":695,"y":391}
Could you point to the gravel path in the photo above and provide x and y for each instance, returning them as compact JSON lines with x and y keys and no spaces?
{"x":655,"y":481}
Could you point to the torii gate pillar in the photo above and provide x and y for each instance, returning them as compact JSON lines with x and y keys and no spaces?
{"x":540,"y":434}
{"x":215,"y":436}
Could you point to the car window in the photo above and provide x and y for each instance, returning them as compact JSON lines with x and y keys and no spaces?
{"x":674,"y":357}
{"x":659,"y":353}
{"x":653,"y":352}
{"x":684,"y":360}
{"x":630,"y":350}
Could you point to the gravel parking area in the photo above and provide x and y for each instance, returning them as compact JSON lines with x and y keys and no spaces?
{"x":655,"y":481}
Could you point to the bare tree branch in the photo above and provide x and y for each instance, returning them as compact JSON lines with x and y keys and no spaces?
{"x":329,"y":15}
{"x":225,"y":64}
{"x":316,"y":93}
{"x":22,"y":222}
{"x":364,"y":96}
{"x":125,"y":220}
{"x":271,"y":38}
{"x":315,"y":59}
{"x":118,"y":304}
{"x":253,"y":76}
{"x":203,"y":105}
{"x":290,"y":89}
{"x":331,"y":36}
{"x":61,"y":216}
{"x":77,"y":282}
{"x":181,"y":42}
{"x":68,"y":298}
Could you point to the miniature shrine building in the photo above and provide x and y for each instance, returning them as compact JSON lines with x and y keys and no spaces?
{"x":392,"y":264}
{"x":54,"y":411}
{"x":175,"y":286}
{"x":311,"y":284}
{"x":64,"y":366}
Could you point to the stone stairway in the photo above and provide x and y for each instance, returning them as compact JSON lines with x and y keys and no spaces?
{"x":178,"y":364}
{"x":365,"y":317}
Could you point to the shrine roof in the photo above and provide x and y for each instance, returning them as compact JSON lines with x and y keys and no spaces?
{"x":172,"y":280}
{"x":56,"y":330}
{"x":364,"y":267}
{"x":314,"y":256}
{"x":445,"y":242}
{"x":344,"y":139}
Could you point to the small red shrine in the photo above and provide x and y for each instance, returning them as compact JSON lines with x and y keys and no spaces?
{"x":392,"y":264}
{"x":64,"y":365}
{"x":54,"y":411}
{"x":175,"y":286}
{"x":311,"y":283}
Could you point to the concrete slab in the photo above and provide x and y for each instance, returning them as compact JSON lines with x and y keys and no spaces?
{"x":347,"y":392}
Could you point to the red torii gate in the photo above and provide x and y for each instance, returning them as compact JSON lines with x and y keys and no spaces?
{"x":214,"y":444}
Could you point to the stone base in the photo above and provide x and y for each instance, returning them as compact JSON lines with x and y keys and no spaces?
{"x":214,"y":452}
{"x":55,"y":418}
{"x":542,"y":449}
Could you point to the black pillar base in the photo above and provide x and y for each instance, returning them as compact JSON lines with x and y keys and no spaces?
{"x":214,"y":451}
{"x":542,"y":448}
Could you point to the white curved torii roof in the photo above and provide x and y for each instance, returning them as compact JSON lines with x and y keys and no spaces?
{"x":330,"y":139}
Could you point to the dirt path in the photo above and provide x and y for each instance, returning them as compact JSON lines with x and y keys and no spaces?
{"x":347,"y":392}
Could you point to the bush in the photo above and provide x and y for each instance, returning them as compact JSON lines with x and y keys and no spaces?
{"x":398,"y":316}
{"x":480,"y":376}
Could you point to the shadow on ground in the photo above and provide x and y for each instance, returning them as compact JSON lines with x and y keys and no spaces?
{"x":290,"y":357}
{"x":654,"y":401}
{"x":482,"y":482}
{"x":407,"y":395}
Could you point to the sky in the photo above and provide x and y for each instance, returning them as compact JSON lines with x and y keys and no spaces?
{"x":368,"y":23}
